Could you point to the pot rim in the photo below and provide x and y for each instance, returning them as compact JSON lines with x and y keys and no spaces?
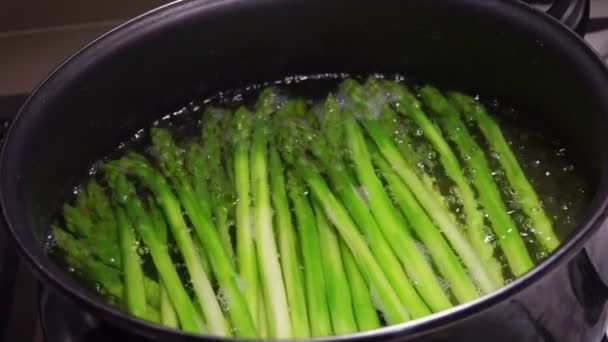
{"x":154,"y":18}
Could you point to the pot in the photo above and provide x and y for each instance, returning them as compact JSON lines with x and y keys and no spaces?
{"x":163,"y":59}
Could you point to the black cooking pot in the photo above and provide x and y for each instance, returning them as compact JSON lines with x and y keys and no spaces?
{"x":156,"y":63}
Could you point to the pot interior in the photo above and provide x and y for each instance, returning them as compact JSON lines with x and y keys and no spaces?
{"x":158,"y":63}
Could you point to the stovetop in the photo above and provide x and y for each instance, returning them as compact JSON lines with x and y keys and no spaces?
{"x":30,"y":312}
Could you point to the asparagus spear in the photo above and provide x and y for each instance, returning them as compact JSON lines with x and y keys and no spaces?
{"x":525,"y":193}
{"x":246,"y":253}
{"x":219,"y":186}
{"x":420,"y":272}
{"x":133,"y":273}
{"x":363,"y":307}
{"x":320,"y":321}
{"x":489,"y":195}
{"x":199,"y":174}
{"x":93,"y":221}
{"x":330,"y":152}
{"x":428,"y":200}
{"x":288,"y":249}
{"x":339,"y":300}
{"x":145,"y":227}
{"x":408,"y":105}
{"x":242,"y":322}
{"x":168,"y":313}
{"x":268,"y":264}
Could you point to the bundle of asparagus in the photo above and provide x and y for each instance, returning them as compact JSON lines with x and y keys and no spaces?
{"x":296,"y":220}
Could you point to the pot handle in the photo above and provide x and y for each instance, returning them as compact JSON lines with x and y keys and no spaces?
{"x":598,"y":253}
{"x":572,"y":13}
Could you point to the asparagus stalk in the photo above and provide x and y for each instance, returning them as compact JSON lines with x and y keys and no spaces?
{"x":219,"y":186}
{"x":262,"y":316}
{"x":268,"y":264}
{"x":525,"y":193}
{"x":320,"y":320}
{"x":288,"y":249}
{"x":199,"y":174}
{"x":417,"y":267}
{"x":168,"y":313}
{"x":363,"y":307}
{"x":246,"y":253}
{"x":445,"y":260}
{"x":427,"y":199}
{"x":242,"y":322}
{"x":489,"y":196}
{"x":339,"y":300}
{"x":133,"y":273}
{"x":408,"y":105}
{"x":331,"y":155}
{"x":93,"y":221}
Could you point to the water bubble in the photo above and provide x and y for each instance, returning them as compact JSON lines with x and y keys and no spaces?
{"x":568,"y":168}
{"x":143,"y":250}
{"x":445,"y":285}
{"x":223,"y":298}
{"x":541,"y":255}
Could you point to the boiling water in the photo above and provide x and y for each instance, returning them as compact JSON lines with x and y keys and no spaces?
{"x":558,"y":179}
